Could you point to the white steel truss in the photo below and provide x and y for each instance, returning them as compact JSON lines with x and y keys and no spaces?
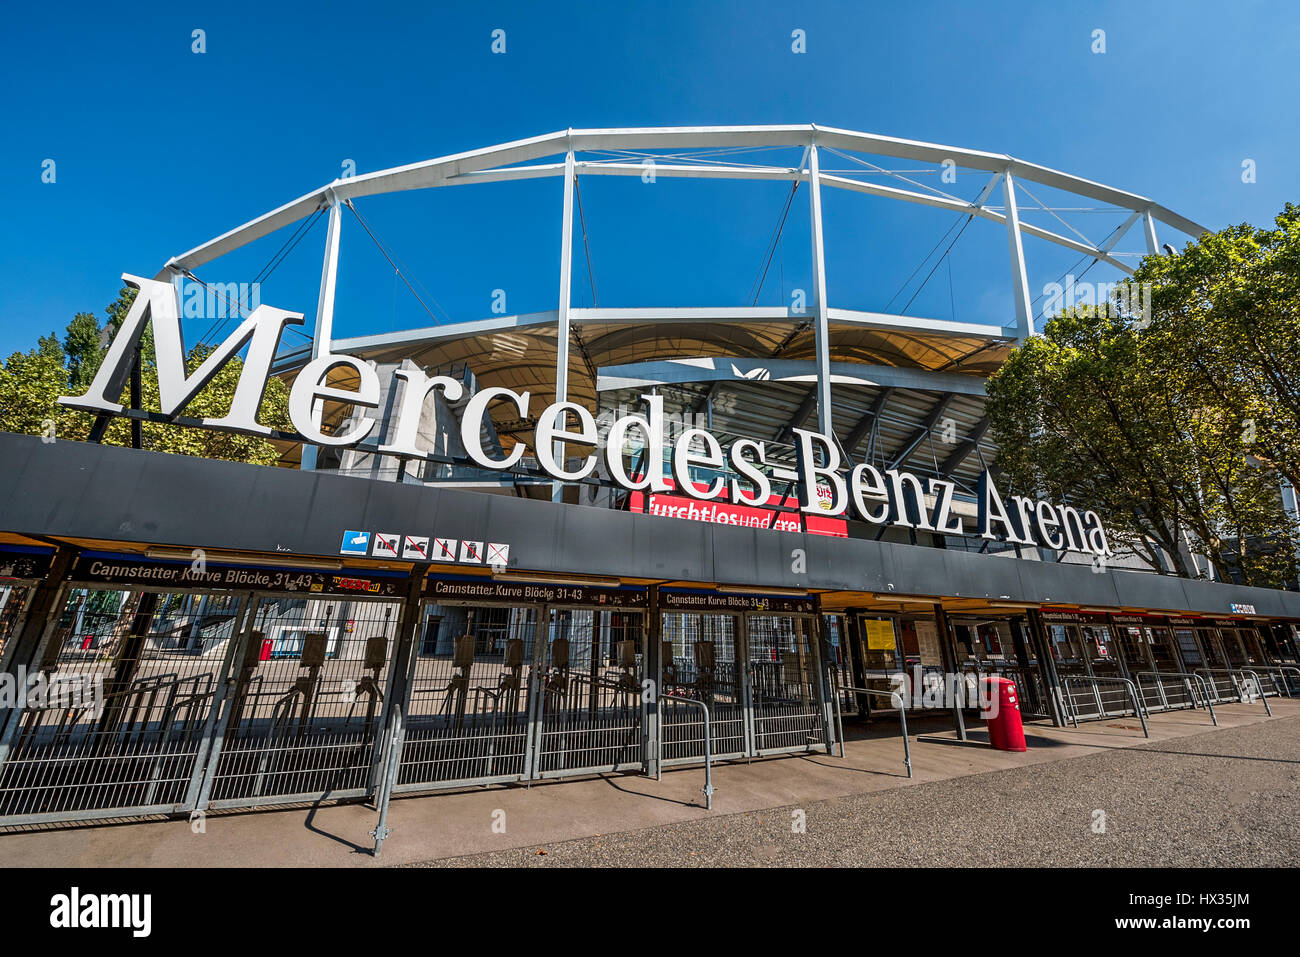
{"x":698,"y":152}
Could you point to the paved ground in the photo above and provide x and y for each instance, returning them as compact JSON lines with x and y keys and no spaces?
{"x":1225,"y":798}
{"x":1189,"y":797}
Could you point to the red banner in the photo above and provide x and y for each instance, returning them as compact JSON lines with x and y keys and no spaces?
{"x":721,"y":512}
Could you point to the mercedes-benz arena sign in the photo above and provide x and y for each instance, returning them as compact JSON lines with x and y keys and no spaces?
{"x":888,"y":497}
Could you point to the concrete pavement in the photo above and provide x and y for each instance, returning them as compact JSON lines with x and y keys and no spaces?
{"x":484,"y":820}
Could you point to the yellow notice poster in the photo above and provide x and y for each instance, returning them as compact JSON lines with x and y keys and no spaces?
{"x":880,"y":634}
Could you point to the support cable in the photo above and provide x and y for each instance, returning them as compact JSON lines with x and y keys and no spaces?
{"x":919,"y":266}
{"x":298,"y":235}
{"x":938,"y":263}
{"x":396,"y":269}
{"x":586,"y":246}
{"x":756,"y":289}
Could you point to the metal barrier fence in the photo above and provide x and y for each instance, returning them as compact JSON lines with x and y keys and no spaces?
{"x":698,"y":660}
{"x":1031,"y":689}
{"x":1093,"y":683}
{"x":784,"y":684}
{"x":473,"y":699}
{"x":590,"y":711}
{"x":1240,"y":683}
{"x":1182,"y":693}
{"x":301,"y":722}
{"x":1285,"y":679}
{"x":124,"y":718}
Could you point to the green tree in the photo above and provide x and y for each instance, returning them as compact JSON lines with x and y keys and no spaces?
{"x":1180,"y":422}
{"x":50,"y":347}
{"x":31,"y":383}
{"x":1073,"y":421}
{"x":1226,"y":328}
{"x":84,"y":348}
{"x":212,"y":401}
{"x":119,"y":307}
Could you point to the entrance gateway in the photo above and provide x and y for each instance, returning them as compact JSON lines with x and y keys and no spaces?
{"x":284,"y":689}
{"x":204,"y":686}
{"x":173,"y":687}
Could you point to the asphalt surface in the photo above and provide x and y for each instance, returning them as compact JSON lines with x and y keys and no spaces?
{"x":1221,"y":799}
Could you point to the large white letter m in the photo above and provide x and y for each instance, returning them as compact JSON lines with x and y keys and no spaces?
{"x":156,"y":302}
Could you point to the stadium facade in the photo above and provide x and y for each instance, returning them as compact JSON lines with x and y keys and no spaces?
{"x":532,"y":546}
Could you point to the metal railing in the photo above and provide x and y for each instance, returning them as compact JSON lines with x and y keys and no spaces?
{"x":708,"y":747}
{"x":1188,"y":678}
{"x":1095,"y":682}
{"x":1281,"y":683}
{"x":1238,"y":683}
{"x":587,"y":711}
{"x":897,"y":701}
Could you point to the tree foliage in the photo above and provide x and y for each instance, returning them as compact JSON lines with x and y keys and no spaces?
{"x":31,"y":382}
{"x":1229,"y":331}
{"x":1178,"y":425}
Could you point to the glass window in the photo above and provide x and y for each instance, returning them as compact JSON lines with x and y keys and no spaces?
{"x":1097,"y":640}
{"x":992,"y":640}
{"x":1187,"y":646}
{"x":1162,"y":650}
{"x":1064,"y":648}
{"x":1134,"y":647}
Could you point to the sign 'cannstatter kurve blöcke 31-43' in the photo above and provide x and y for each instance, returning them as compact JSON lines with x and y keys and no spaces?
{"x":566,"y":440}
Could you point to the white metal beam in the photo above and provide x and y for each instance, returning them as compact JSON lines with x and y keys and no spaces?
{"x":1019,"y":277}
{"x":460,"y":168}
{"x":1149,"y":221}
{"x":324,"y":334}
{"x":974,"y":209}
{"x":1119,"y":233}
{"x":641,"y":316}
{"x":562,"y":312}
{"x":821,"y":327}
{"x":323,"y":337}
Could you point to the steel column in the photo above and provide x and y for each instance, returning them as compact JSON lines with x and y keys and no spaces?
{"x":205,"y":760}
{"x":957,"y":680}
{"x":1038,"y":635}
{"x":1019,"y":276}
{"x":1149,"y":224}
{"x":652,"y":719}
{"x":562,"y":314}
{"x":536,"y":694}
{"x":39,"y":623}
{"x":749,"y":738}
{"x":821,"y":329}
{"x":820,"y":645}
{"x":392,"y":723}
{"x":324,"y":334}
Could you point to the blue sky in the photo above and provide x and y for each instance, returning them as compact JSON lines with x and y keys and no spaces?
{"x":158,"y":149}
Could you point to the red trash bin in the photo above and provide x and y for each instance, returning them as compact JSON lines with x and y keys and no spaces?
{"x":1006,"y":732}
